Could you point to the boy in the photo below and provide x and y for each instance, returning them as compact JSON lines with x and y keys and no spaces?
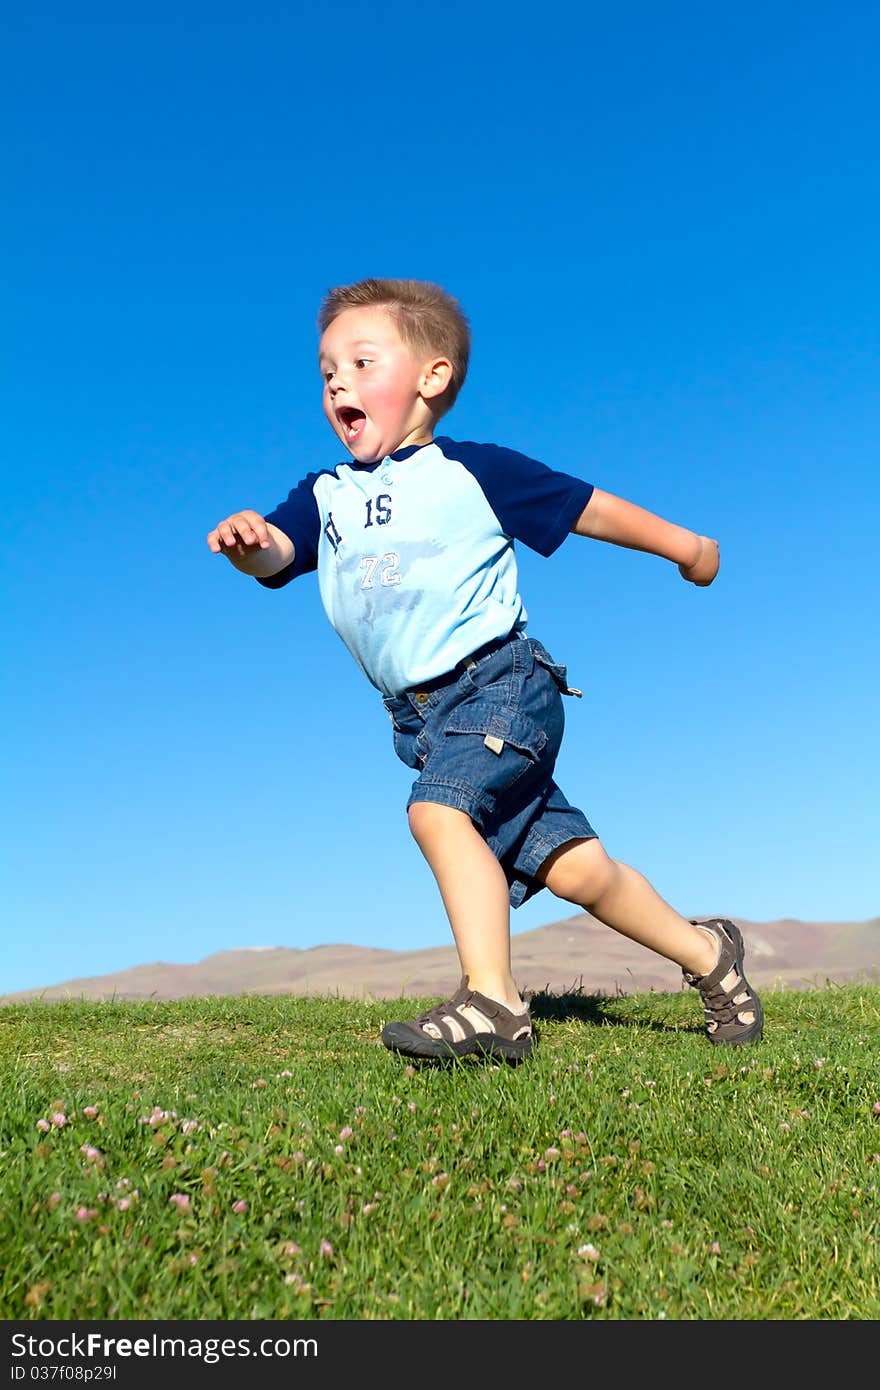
{"x":413,"y":544}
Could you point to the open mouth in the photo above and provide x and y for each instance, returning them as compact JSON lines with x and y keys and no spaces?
{"x":352,"y":421}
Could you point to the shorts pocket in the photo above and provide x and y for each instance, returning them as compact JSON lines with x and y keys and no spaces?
{"x":555,"y":669}
{"x":498,"y":728}
{"x":408,"y":732}
{"x":410,"y":748}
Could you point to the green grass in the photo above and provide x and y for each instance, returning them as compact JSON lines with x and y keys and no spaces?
{"x":629,"y":1170}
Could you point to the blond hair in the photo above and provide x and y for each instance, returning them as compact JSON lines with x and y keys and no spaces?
{"x":427,"y":319}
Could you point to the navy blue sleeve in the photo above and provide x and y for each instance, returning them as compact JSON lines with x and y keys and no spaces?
{"x":534,"y":504}
{"x":299,"y":519}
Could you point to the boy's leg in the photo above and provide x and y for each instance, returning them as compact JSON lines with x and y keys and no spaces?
{"x":582,"y":873}
{"x":475,"y":895}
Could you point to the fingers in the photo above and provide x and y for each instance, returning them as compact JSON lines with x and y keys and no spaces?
{"x":712,"y":559}
{"x":704,"y":569}
{"x":242,"y":528}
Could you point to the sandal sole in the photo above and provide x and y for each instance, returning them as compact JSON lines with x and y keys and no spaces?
{"x":398,"y":1037}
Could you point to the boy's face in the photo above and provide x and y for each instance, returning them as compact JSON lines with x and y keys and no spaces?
{"x":375,"y":388}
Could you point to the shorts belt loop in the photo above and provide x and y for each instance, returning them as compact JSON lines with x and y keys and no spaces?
{"x":469,"y":662}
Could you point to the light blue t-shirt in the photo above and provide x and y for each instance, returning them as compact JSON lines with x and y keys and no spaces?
{"x":415,"y":553}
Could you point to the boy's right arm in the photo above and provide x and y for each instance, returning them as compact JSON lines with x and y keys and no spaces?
{"x":252,"y":545}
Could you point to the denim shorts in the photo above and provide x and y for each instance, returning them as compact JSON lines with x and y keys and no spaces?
{"x":485,"y":739}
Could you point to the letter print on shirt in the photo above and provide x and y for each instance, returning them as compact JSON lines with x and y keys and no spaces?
{"x":382,"y":504}
{"x":332,"y":534}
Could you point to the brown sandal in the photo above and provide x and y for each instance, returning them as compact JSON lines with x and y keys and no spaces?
{"x":723,"y":1008}
{"x":447,"y":1030}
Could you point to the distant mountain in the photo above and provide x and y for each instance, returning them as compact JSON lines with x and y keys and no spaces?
{"x":577,"y":952}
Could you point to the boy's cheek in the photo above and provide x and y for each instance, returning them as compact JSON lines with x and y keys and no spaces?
{"x":386,"y":398}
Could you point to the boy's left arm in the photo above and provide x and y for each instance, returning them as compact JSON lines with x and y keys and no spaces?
{"x":610,"y":518}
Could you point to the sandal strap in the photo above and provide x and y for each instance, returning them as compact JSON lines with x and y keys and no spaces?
{"x":439,"y":1016}
{"x":464,"y":998}
{"x":719,"y":1004}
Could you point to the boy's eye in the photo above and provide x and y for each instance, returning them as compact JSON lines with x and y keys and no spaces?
{"x":363,"y":361}
{"x":327,"y":375}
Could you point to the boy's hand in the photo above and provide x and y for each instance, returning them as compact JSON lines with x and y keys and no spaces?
{"x":705,"y":567}
{"x":242,"y":529}
{"x":252,"y":545}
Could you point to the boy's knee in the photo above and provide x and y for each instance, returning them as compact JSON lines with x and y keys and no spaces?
{"x":418,"y":816}
{"x":580,"y":872}
{"x":424,"y":818}
{"x":427,"y":819}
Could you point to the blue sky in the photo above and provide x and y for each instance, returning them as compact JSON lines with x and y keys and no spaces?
{"x":662,"y":222}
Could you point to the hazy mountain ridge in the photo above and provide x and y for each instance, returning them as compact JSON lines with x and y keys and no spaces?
{"x":577,"y":951}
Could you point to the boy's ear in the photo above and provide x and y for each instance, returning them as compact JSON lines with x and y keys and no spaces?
{"x":436,"y":377}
